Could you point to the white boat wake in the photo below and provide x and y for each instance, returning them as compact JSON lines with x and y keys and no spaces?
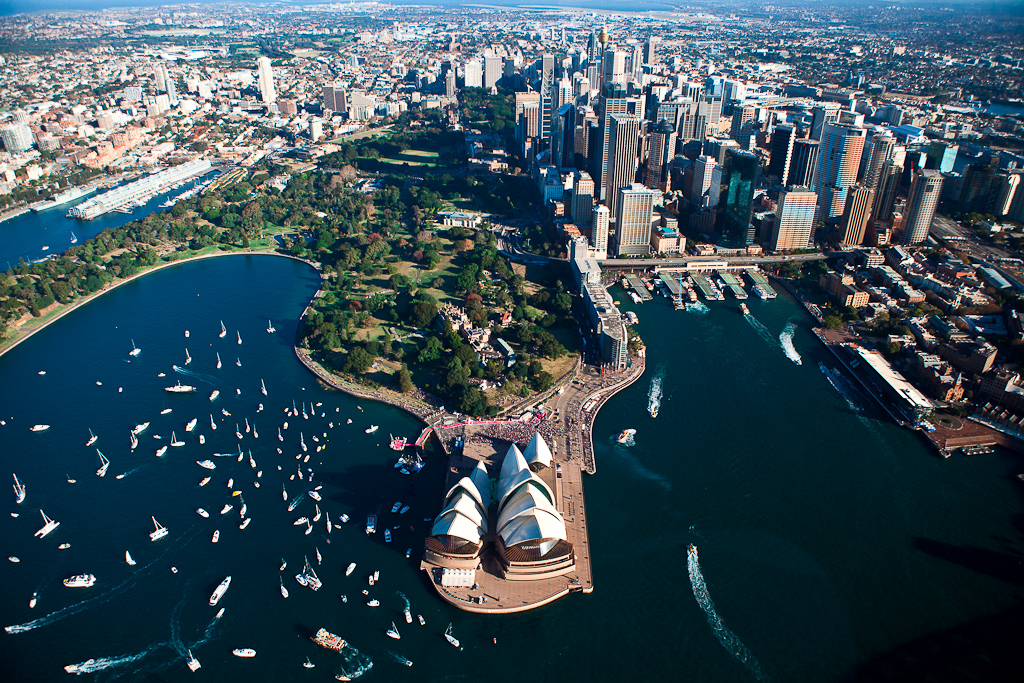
{"x":698,"y":307}
{"x":726,"y":637}
{"x":761,"y":330}
{"x":208,"y":379}
{"x":786,"y":340}
{"x":94,"y":665}
{"x":654,"y":394}
{"x":356,"y":663}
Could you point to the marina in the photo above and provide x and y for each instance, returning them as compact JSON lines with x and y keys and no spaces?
{"x":138,"y":192}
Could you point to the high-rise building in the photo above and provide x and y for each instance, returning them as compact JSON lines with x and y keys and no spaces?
{"x":582,"y":199}
{"x":160,"y":77}
{"x":633,"y":224}
{"x":707,"y":182}
{"x":547,"y":86}
{"x":625,"y":137}
{"x":827,"y":113}
{"x":562,"y":140}
{"x":921,"y":204}
{"x":614,"y":65}
{"x":266,"y":80}
{"x":855,"y":217}
{"x":449,"y":84}
{"x":782,"y":152}
{"x":599,"y":231}
{"x":709,"y":111}
{"x":739,"y":179}
{"x":663,"y":149}
{"x":742,"y":126}
{"x":885,"y":195}
{"x":316,"y":129}
{"x":473,"y":77}
{"x":651,"y":51}
{"x":804,"y":163}
{"x":614,"y":103}
{"x":334,"y":99}
{"x":1007,"y":188}
{"x":882,"y":148}
{"x":838,"y":160}
{"x":794,"y":219}
{"x":941,"y":156}
{"x":492,"y":71}
{"x":17,"y":137}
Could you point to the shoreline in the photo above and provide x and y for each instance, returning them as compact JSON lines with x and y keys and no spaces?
{"x":84,"y":300}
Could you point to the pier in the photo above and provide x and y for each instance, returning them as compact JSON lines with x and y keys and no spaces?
{"x":756,"y":277}
{"x":733,"y":284}
{"x":637,"y":285}
{"x":709,"y":291}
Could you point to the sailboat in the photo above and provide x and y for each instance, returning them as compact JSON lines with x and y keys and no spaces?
{"x":302,"y":442}
{"x":270,"y":327}
{"x":160,"y":531}
{"x":255,"y":434}
{"x":92,"y":438}
{"x":48,"y":525}
{"x":174,"y":440}
{"x":279,"y":437}
{"x":104,"y":464}
{"x":135,"y":441}
{"x":128,"y":558}
{"x":316,"y":517}
{"x":19,"y":490}
{"x":284,"y":591}
{"x":239,"y":336}
{"x":223,"y":330}
{"x":188,"y":358}
{"x":238,"y":361}
{"x":247,"y":427}
{"x":328,"y":522}
{"x":393,"y":632}
{"x":218,"y":360}
{"x":319,"y":559}
{"x":449,"y":637}
{"x":135,"y":349}
{"x":263,"y":387}
{"x":74,"y":240}
{"x":192,"y":662}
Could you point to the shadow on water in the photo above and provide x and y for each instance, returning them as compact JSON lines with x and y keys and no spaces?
{"x":984,"y":650}
{"x":1003,"y":566}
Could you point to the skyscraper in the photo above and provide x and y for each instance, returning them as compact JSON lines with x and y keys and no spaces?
{"x":709,"y":110}
{"x":921,"y":204}
{"x":614,"y":103}
{"x":827,"y":113}
{"x":547,"y":85}
{"x":855,"y":217}
{"x":266,"y":80}
{"x":794,"y":219}
{"x":707,"y":182}
{"x":882,"y":148}
{"x":614,"y":65}
{"x":782,"y":152}
{"x":474,"y":74}
{"x":941,"y":156}
{"x":633,"y":224}
{"x":582,"y":199}
{"x":663,"y":149}
{"x":804,"y":163}
{"x":742,"y":126}
{"x":838,"y":160}
{"x":651,"y":51}
{"x":739,"y":178}
{"x":334,"y":99}
{"x":599,"y":232}
{"x":562,"y":140}
{"x":625,"y":136}
{"x":492,"y":71}
{"x":885,"y":196}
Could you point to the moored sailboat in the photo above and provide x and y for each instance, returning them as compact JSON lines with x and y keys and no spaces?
{"x":104,"y":464}
{"x":92,"y":438}
{"x":159,"y":532}
{"x":135,"y":349}
{"x":223,"y":330}
{"x":19,"y":490}
{"x":48,"y":525}
{"x":128,"y":558}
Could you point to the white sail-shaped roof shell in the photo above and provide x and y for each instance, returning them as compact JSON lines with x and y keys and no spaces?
{"x":513,"y":463}
{"x":466,"y":484}
{"x":466,"y":505}
{"x":526,"y":499}
{"x":507,"y":486}
{"x":537,"y":451}
{"x":482,"y":480}
{"x":537,"y":526}
{"x":454,"y":523}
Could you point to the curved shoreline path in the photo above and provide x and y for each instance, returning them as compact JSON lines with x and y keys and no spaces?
{"x":50,"y":317}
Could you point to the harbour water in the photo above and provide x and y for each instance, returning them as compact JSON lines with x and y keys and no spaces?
{"x":827,"y":538}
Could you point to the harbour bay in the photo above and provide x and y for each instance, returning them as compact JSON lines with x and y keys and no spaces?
{"x":826,"y":535}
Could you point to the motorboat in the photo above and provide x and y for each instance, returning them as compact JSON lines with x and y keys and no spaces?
{"x":39,"y":428}
{"x":314,"y":495}
{"x":371,"y":524}
{"x":19,"y":490}
{"x":284,"y":591}
{"x":92,"y":438}
{"x":226,"y":509}
{"x":140,"y":428}
{"x":191,"y":425}
{"x":207,"y":464}
{"x":394,"y":508}
{"x":202,"y":513}
{"x":351,"y":568}
{"x":214,"y":395}
{"x":104,"y":464}
{"x":371,"y":429}
{"x":373,"y":603}
{"x":244,"y":652}
{"x":219,"y":592}
{"x":165,"y":411}
{"x":205,"y":481}
{"x":245,"y":523}
{"x":160,"y":531}
{"x":216,"y":536}
{"x":387,"y":535}
{"x":405,"y":508}
{"x":33,"y":600}
{"x":80,"y":581}
{"x":625,"y":435}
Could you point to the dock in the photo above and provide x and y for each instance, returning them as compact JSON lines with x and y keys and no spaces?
{"x":733,"y":284}
{"x":756,"y":277}
{"x":710,"y":292}
{"x":637,"y":285}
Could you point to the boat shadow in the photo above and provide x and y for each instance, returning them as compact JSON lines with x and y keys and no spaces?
{"x":1005,"y":566}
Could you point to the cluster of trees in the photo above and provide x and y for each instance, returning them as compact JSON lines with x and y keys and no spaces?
{"x":490,"y":113}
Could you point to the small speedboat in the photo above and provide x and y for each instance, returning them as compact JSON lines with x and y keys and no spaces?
{"x":202,"y":513}
{"x":244,"y":652}
{"x":215,"y":537}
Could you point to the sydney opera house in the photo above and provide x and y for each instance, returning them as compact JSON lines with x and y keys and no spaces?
{"x":511,"y":524}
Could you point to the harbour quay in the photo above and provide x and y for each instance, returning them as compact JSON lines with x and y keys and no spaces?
{"x":139,"y":190}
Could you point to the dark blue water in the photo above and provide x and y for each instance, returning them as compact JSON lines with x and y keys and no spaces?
{"x":25,"y":236}
{"x":826,"y":536}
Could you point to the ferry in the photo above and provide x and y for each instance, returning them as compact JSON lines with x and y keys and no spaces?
{"x":743,"y":309}
{"x":206,"y":464}
{"x":220,"y":591}
{"x":326,"y":639}
{"x":180,"y":388}
{"x":80,"y":581}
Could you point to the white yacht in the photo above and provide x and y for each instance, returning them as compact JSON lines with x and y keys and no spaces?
{"x":39,"y":428}
{"x":214,"y":394}
{"x":244,"y":652}
{"x":202,"y":513}
{"x":19,"y":490}
{"x":226,"y":509}
{"x":92,"y":438}
{"x":140,"y":428}
{"x":160,"y":451}
{"x":104,"y":464}
{"x":216,"y":536}
{"x":80,"y":581}
{"x":351,"y":568}
{"x":284,"y":591}
{"x":48,"y":525}
{"x":206,"y":464}
{"x":191,"y":425}
{"x":220,"y":591}
{"x":180,"y":388}
{"x":159,"y":532}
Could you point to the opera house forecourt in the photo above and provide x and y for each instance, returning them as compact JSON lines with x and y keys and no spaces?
{"x":504,"y":545}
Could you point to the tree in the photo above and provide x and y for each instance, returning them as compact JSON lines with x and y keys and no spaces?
{"x":431,"y":350}
{"x":358,"y":361}
{"x":405,"y":380}
{"x":833,"y":322}
{"x":422,"y":313}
